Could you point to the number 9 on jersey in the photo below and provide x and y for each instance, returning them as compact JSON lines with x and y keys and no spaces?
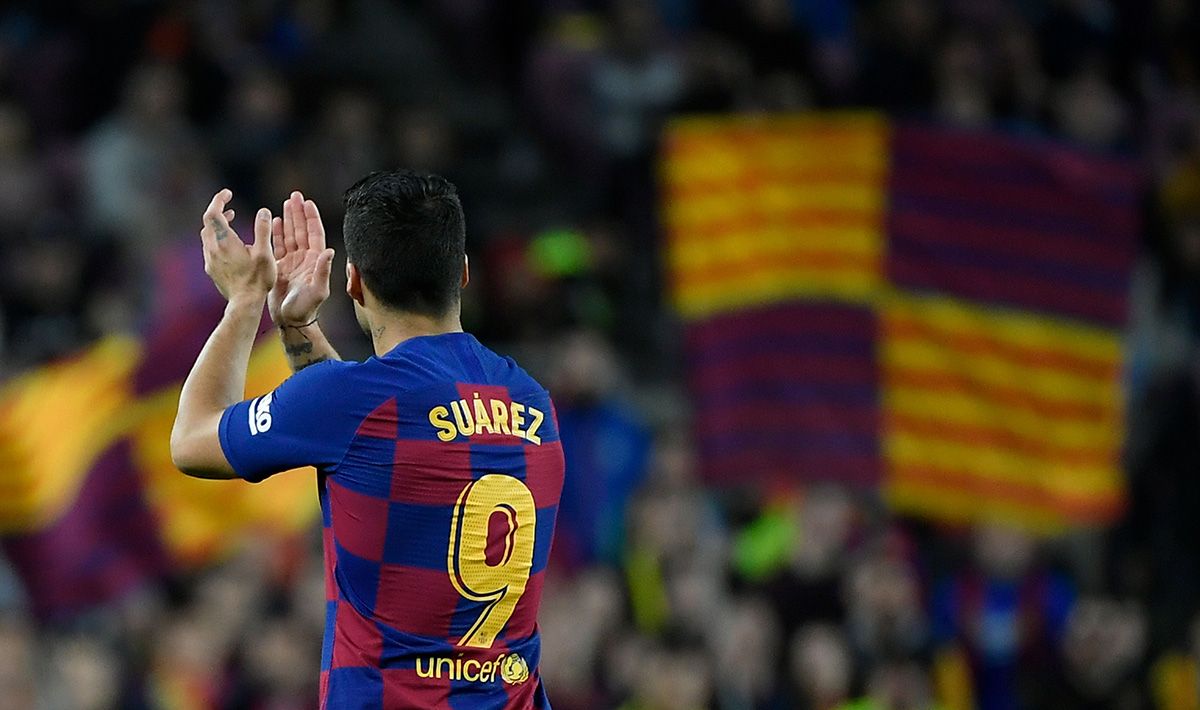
{"x":499,"y":586}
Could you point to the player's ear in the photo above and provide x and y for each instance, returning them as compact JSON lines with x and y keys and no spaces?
{"x":466,"y":276}
{"x":354,"y":283}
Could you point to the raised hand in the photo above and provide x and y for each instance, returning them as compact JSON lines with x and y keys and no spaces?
{"x":240,"y":271}
{"x":302,"y":263}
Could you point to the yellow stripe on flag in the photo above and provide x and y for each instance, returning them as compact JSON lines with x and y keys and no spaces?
{"x":778,"y":201}
{"x":55,"y":422}
{"x":205,"y":520}
{"x":978,"y":502}
{"x":763,"y":209}
{"x":993,"y":463}
{"x":744,"y":244}
{"x":990,"y":413}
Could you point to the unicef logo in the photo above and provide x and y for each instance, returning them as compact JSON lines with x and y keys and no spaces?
{"x":511,"y":668}
{"x":514,"y":670}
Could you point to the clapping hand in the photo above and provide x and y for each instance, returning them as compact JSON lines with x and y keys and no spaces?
{"x":302,"y":264}
{"x":240,"y":272}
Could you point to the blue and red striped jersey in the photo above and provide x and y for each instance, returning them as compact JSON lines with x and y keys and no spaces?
{"x":439,"y":474}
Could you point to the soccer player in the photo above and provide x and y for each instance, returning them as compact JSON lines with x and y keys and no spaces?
{"x":438,"y":462}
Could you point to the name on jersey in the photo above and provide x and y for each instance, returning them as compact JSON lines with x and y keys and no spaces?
{"x":487,"y":416}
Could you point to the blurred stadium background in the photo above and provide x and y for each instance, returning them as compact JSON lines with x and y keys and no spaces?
{"x":872,"y":328}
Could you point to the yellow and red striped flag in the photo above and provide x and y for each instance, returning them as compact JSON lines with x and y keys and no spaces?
{"x":935,"y":312}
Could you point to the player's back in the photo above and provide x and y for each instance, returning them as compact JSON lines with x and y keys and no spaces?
{"x":439,"y":518}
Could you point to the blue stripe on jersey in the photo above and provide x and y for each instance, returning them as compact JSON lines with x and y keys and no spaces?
{"x":417,"y":535}
{"x":355,"y":688}
{"x":400,"y":649}
{"x":465,"y":695}
{"x":323,"y":499}
{"x":367,"y":467}
{"x":541,"y":542}
{"x":357,"y":580}
{"x":327,"y":642}
{"x":498,"y":458}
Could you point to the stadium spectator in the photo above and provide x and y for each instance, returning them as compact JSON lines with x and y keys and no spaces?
{"x":1008,"y":613}
{"x":821,"y":667}
{"x":606,"y":443}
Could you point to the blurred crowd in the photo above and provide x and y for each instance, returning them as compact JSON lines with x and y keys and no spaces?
{"x":120,"y":118}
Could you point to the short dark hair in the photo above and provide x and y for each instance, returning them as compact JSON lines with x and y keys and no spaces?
{"x":406,"y":234}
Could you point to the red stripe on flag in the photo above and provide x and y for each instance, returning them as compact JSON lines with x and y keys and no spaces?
{"x":997,"y":438}
{"x":978,"y":344}
{"x":826,"y":176}
{"x":1100,"y":506}
{"x":826,"y":263}
{"x":952,"y":382}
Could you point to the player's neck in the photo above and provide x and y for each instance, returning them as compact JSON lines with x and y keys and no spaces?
{"x":390,"y":329}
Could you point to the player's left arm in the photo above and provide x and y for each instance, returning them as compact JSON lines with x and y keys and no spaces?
{"x":243,"y":274}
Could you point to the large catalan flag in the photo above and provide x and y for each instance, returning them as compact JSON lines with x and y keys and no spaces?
{"x":92,"y":505}
{"x":932,"y":311}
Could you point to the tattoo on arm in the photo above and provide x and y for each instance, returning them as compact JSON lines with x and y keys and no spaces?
{"x":309,"y":351}
{"x":298,"y":348}
{"x":296,"y":351}
{"x":301,"y":365}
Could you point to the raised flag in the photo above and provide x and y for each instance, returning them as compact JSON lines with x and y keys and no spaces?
{"x":934,"y":311}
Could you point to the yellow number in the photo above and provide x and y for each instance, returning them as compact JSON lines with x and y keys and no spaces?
{"x":500,"y":585}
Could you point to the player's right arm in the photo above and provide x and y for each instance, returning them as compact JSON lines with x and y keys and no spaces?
{"x":302,"y":271}
{"x":309,"y":420}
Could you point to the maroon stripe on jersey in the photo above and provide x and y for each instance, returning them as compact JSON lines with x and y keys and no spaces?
{"x":359,"y":521}
{"x":544,"y":473}
{"x":383,"y":423}
{"x":356,"y":640}
{"x":430,"y":472}
{"x":498,"y":530}
{"x":521,"y":696}
{"x":328,"y":554}
{"x":523,"y":622}
{"x":478,"y":399}
{"x":416,"y":600}
{"x":323,"y":689}
{"x":499,"y":648}
{"x":403,"y":688}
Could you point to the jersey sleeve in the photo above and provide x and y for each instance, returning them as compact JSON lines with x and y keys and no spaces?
{"x":307,"y":421}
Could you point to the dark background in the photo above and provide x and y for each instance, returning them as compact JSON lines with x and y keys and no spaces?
{"x":118,"y":120}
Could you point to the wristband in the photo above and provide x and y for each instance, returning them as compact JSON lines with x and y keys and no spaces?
{"x":285,"y":326}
